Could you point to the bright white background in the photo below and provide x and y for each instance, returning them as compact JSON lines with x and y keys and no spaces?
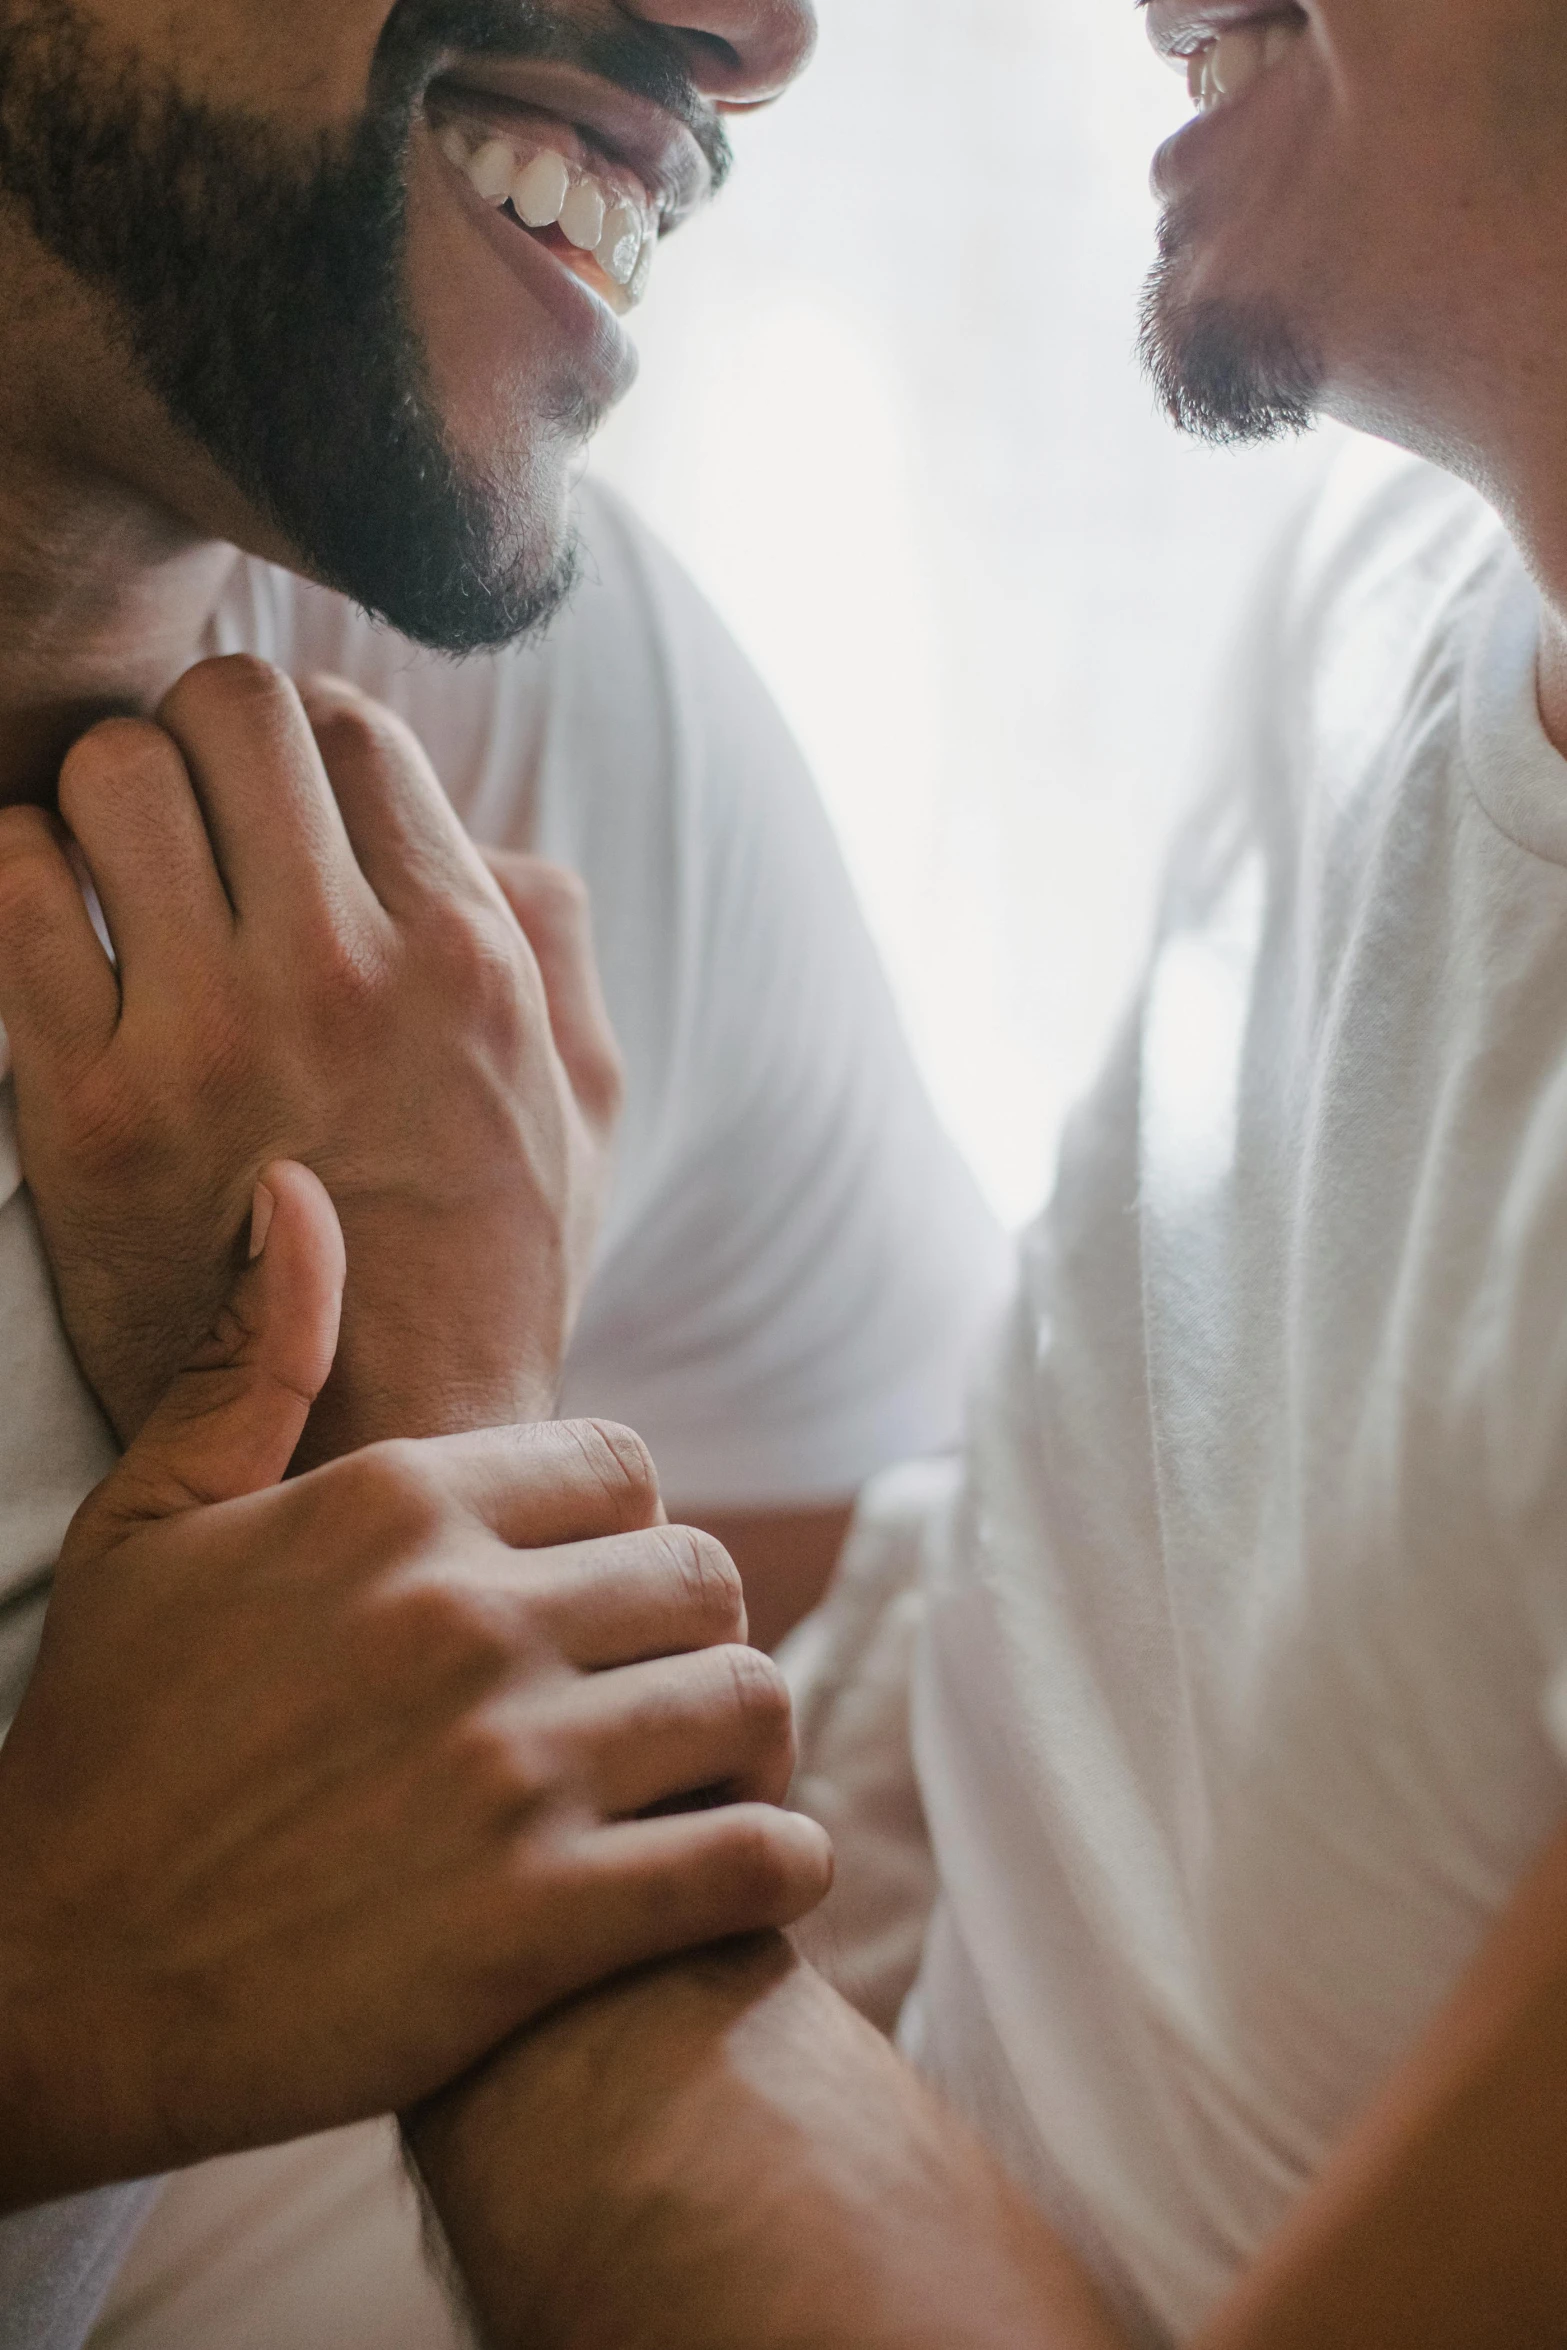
{"x":890,"y":418}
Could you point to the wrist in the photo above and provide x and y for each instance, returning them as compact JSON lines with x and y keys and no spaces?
{"x":373,"y":1396}
{"x":570,"y":2173}
{"x":78,"y":2092}
{"x":54,"y":2143}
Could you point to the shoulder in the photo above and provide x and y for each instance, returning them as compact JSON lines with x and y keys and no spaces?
{"x":634,"y":619}
{"x":619,"y":710}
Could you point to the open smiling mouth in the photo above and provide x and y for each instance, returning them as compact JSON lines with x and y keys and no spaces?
{"x":594,"y":214}
{"x":1218,"y":67}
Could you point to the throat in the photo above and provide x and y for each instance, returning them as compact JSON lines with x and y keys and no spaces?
{"x":83,"y":640}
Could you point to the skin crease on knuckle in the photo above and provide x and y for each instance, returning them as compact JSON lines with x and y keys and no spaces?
{"x":618,"y":1466}
{"x":758,"y":1691}
{"x":711,"y":1596}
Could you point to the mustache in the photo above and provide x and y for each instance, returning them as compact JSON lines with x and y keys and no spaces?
{"x":419,"y":34}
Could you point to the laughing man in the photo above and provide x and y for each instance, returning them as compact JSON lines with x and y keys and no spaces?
{"x":315,"y":1792}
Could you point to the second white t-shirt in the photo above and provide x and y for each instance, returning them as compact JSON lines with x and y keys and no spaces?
{"x":1244,"y":1699}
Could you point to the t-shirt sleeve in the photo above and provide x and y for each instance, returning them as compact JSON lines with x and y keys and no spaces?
{"x":797,"y":1262}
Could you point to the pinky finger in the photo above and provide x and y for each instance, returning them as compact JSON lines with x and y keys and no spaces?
{"x":647,"y":1889}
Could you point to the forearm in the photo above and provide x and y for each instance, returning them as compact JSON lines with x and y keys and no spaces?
{"x":1441,"y":2222}
{"x":719,"y":2155}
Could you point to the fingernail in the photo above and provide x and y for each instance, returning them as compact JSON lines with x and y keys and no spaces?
{"x":261,"y":1207}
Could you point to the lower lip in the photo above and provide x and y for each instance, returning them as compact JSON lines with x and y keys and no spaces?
{"x":1185,"y":148}
{"x":1162,"y":171}
{"x":602,"y":347}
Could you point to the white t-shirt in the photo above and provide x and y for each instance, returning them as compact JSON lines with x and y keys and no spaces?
{"x":794,"y":1261}
{"x":1243,"y":1706}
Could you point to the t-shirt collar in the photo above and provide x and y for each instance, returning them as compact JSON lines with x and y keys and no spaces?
{"x":1515,"y":771}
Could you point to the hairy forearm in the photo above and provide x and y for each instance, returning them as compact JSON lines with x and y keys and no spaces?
{"x":720,"y":2155}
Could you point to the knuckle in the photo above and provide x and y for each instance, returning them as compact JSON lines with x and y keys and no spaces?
{"x":354,"y":730}
{"x":619,"y":1467}
{"x":99,"y":761}
{"x":225,"y":681}
{"x":558,"y":888}
{"x":337,"y":705}
{"x":343,"y":728}
{"x":755,"y":1864}
{"x":500,"y":1772}
{"x":464,"y":937}
{"x":456,"y":1636}
{"x":327,"y":696}
{"x":756,"y":1689}
{"x":394,"y":1493}
{"x":707,"y":1578}
{"x":482,"y":962}
{"x":538,"y":882}
{"x":600,"y":1078}
{"x":347,"y":970}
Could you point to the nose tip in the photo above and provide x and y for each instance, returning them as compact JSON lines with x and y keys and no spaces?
{"x":738,"y":52}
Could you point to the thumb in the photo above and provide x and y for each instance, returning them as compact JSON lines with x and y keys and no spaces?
{"x":229,"y":1423}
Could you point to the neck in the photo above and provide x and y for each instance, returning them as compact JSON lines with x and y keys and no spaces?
{"x":103,"y":600}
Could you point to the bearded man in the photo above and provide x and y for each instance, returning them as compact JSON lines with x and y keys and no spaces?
{"x":315,"y":1792}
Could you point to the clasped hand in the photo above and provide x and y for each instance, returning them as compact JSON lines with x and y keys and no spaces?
{"x":322,"y":1788}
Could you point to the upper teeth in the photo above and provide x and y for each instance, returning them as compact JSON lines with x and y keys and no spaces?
{"x":1222,"y":68}
{"x":544,"y":188}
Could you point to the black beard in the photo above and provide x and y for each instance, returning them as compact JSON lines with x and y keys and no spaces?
{"x":263,"y":294}
{"x":1226,"y":372}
